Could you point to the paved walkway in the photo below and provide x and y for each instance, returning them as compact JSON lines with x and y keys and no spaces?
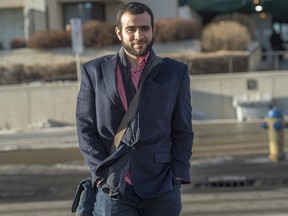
{"x":246,"y":203}
{"x":212,"y":139}
{"x":231,"y":173}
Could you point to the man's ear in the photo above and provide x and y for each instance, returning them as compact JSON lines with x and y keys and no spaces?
{"x":118,"y":33}
{"x":154,"y":30}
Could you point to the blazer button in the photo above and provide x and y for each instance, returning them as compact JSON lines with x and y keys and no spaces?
{"x":133,"y":148}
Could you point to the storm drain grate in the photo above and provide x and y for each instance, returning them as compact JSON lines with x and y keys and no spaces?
{"x":226,"y":181}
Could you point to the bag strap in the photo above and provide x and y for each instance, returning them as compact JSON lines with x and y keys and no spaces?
{"x":131,"y":109}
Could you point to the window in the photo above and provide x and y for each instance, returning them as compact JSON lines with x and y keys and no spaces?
{"x":84,"y":10}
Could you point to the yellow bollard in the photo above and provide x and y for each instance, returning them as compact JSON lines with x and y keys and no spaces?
{"x":275,"y":124}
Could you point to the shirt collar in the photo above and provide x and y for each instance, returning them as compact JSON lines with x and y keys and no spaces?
{"x":141,"y":62}
{"x":143,"y":58}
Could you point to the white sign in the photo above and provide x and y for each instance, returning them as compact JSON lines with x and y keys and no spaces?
{"x":76,"y":35}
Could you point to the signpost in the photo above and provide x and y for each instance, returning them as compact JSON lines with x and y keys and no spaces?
{"x":77,"y":43}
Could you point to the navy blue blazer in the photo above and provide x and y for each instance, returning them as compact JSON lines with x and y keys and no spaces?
{"x":164,"y":148}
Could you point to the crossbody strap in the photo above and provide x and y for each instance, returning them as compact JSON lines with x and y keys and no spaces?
{"x":131,"y":110}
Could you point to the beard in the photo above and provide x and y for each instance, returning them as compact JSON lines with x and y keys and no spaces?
{"x":147,"y":46}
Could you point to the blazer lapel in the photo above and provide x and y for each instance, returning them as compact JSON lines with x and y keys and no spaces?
{"x":109,"y":74}
{"x":153,"y":72}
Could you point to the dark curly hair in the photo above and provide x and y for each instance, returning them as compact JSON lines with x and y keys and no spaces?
{"x":133,"y":8}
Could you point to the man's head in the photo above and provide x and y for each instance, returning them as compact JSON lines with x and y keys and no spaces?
{"x":135,"y":28}
{"x":134,"y":8}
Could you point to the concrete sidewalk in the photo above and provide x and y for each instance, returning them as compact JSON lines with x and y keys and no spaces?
{"x":45,"y":208}
{"x":252,"y":203}
{"x":267,"y":197}
{"x":231,"y":172}
{"x":212,"y":139}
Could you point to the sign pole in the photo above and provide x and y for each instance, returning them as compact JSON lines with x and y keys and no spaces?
{"x":77,"y":43}
{"x":78,"y":67}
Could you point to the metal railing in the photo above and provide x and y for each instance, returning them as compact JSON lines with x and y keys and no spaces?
{"x":277,"y":60}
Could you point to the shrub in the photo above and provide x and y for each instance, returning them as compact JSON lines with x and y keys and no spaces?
{"x":20,"y":73}
{"x":50,"y":39}
{"x":215,"y":62}
{"x":97,"y":34}
{"x":243,"y":19}
{"x":225,"y":35}
{"x":173,"y":29}
{"x":17,"y":43}
{"x":62,"y":72}
{"x":3,"y":75}
{"x":10,"y":75}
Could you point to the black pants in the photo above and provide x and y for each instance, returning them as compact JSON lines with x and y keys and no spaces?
{"x":130,"y":204}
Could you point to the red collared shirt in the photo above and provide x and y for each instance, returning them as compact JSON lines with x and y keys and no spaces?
{"x":135,"y":75}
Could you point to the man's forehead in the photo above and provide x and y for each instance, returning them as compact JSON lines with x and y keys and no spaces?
{"x":129,"y":19}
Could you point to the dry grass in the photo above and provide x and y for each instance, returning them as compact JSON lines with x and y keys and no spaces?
{"x":243,"y":19}
{"x":225,"y":35}
{"x":20,"y":73}
{"x":17,"y":43}
{"x":222,"y":61}
{"x":174,"y":29}
{"x":98,"y":34}
{"x":50,"y":39}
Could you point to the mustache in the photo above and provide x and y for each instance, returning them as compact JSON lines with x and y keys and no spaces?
{"x":143,"y":40}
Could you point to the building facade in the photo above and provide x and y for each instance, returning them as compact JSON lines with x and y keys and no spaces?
{"x":11,"y":21}
{"x":22,"y":18}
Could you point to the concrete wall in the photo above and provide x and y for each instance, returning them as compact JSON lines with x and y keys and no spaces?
{"x":55,"y":15}
{"x":160,"y":8}
{"x":11,"y":4}
{"x":163,"y":8}
{"x":212,"y":96}
{"x":40,"y":15}
{"x":26,"y":104}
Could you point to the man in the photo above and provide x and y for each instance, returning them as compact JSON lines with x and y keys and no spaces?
{"x":143,"y":176}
